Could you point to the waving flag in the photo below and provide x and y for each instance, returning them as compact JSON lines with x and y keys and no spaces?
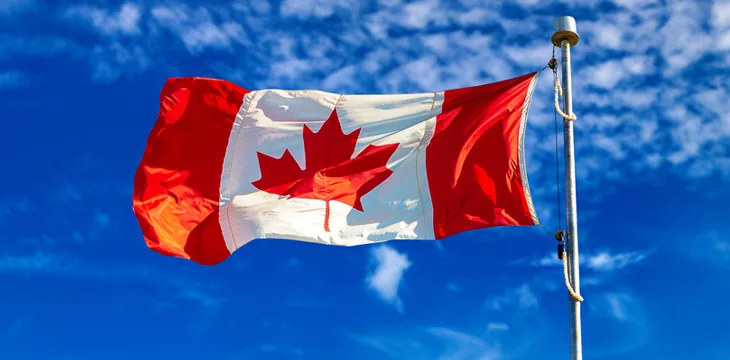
{"x":225,"y":165}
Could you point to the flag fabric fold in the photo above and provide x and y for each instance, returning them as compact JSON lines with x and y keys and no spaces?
{"x":224,"y":165}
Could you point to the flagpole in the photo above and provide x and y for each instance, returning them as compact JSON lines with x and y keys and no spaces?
{"x":566,"y":36}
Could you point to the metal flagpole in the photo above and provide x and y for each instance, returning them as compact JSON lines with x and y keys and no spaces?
{"x":566,"y":36}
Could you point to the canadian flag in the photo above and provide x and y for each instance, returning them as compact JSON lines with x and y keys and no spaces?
{"x":224,"y":166}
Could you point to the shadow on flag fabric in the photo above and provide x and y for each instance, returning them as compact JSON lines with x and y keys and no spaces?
{"x":224,"y":165}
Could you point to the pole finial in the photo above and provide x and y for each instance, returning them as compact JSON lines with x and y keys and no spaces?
{"x":565,"y":29}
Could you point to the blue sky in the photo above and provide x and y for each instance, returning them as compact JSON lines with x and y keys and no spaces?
{"x":80,"y":86}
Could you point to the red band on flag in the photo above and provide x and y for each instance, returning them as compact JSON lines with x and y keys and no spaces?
{"x":473,"y":160}
{"x":177,"y":185}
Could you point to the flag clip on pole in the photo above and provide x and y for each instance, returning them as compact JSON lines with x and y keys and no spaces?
{"x":566,"y":36}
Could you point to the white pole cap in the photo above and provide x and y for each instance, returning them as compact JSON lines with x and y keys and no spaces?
{"x":565,"y":29}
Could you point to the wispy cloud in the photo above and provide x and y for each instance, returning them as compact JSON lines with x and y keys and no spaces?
{"x":386,"y":277}
{"x":623,"y":313}
{"x":41,"y":263}
{"x":523,"y":298}
{"x":38,"y":262}
{"x":619,"y":306}
{"x":198,"y":28}
{"x":497,"y":326}
{"x":604,"y":260}
{"x":212,"y":303}
{"x":464,"y":346}
{"x":430,"y":343}
{"x":112,"y":60}
{"x":616,"y":306}
{"x":440,"y":247}
{"x":120,"y":49}
{"x":709,"y":246}
{"x":124,"y":21}
{"x":318,"y":9}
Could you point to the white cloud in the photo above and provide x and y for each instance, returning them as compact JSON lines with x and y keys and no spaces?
{"x":620,"y":306}
{"x":548,"y":260}
{"x":418,"y":14}
{"x":475,"y":16}
{"x":317,"y":9}
{"x":56,"y":264}
{"x":639,"y":65}
{"x":114,"y":60}
{"x":430,"y":343}
{"x":635,"y":5}
{"x":124,"y":21}
{"x":621,"y":313}
{"x":522,"y":297}
{"x":616,"y":306}
{"x":607,"y":75}
{"x":463,"y":346}
{"x":604,"y":260}
{"x":684,"y":40}
{"x":709,"y":247}
{"x":526,"y":298}
{"x":606,"y":35}
{"x":497,"y":326}
{"x":590,"y":281}
{"x":721,"y":14}
{"x":531,"y":56}
{"x":341,"y":80}
{"x":27,"y":263}
{"x":386,"y":278}
{"x":257,"y":7}
{"x":440,"y":247}
{"x":210,"y":302}
{"x":528,"y":2}
{"x":610,"y":145}
{"x":198,"y":29}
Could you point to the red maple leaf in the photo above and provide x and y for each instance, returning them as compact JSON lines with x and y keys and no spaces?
{"x":330,"y":173}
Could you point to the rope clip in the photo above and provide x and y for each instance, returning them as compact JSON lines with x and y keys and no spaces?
{"x":560,"y":235}
{"x":553,"y":64}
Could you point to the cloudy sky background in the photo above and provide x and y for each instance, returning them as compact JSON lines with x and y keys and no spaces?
{"x":80,"y":86}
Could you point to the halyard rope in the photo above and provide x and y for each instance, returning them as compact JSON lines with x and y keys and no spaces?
{"x":559,"y":90}
{"x":572,"y":292}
